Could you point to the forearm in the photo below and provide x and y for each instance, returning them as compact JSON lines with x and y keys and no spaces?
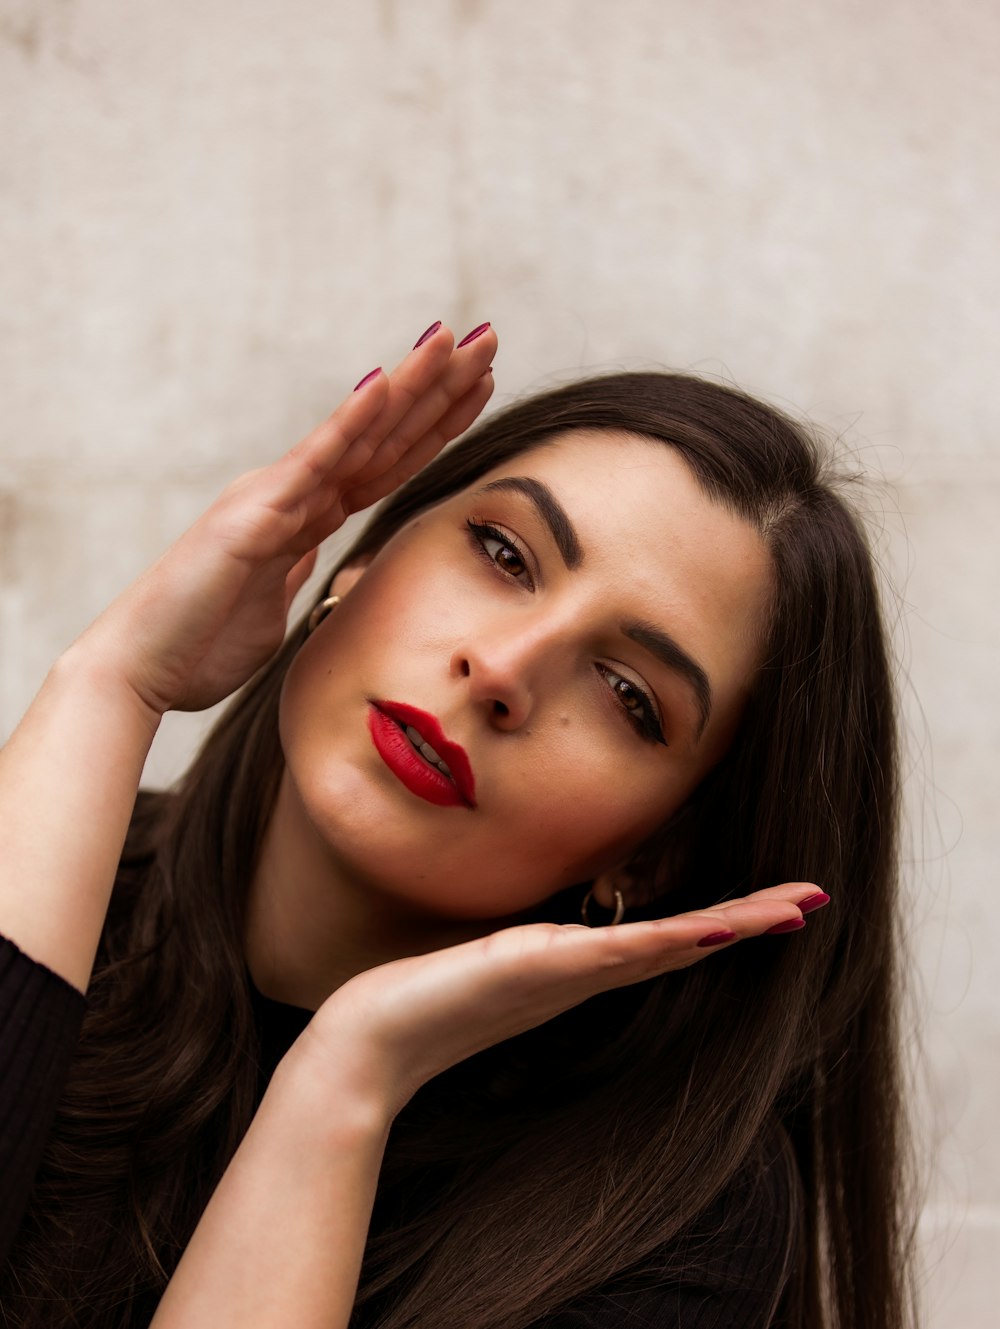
{"x":68,"y":780}
{"x":282,"y":1238}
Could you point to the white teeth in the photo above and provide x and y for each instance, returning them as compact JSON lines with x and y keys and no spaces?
{"x":425,"y":749}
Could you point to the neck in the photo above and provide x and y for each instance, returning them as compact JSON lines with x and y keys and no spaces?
{"x":313,"y":923}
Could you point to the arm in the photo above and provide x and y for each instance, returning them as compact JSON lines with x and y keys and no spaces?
{"x":189,"y":632}
{"x":282,"y":1238}
{"x":68,"y":779}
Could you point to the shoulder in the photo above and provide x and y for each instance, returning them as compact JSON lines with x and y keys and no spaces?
{"x":726,"y":1270}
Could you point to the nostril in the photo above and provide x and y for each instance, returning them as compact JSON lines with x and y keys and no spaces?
{"x":500,"y":710}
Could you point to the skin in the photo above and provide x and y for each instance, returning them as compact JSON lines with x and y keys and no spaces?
{"x":510,"y":649}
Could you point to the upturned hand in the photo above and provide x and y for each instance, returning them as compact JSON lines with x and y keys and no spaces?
{"x":392,"y":1028}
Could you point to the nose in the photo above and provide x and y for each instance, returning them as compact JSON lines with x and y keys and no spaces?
{"x":506,"y":666}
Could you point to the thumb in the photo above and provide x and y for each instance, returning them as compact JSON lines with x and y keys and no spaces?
{"x":298,"y":576}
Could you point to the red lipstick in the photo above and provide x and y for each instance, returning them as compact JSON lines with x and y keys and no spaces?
{"x":388,"y":722}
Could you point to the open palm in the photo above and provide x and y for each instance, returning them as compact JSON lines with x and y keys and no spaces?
{"x":214,"y":607}
{"x":396,"y":1026}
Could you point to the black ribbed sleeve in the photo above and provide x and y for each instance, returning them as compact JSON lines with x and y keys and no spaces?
{"x":40,"y":1019}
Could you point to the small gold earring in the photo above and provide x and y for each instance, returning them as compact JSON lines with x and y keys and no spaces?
{"x":321,"y":611}
{"x":619,"y":908}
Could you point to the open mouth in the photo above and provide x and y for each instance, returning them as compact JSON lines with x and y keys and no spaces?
{"x":424,"y":748}
{"x":413,"y":745}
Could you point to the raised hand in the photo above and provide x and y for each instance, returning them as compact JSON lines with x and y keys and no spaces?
{"x":394,"y":1027}
{"x":214,"y":607}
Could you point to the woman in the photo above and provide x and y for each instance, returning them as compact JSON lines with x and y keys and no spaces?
{"x":617,"y":655}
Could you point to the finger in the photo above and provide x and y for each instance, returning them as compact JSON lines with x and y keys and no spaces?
{"x":298,"y":576}
{"x":795,"y":891}
{"x":422,"y":386}
{"x":295,"y":476}
{"x":324,"y":517}
{"x":617,"y":955}
{"x":636,"y":951}
{"x":349,"y":437}
{"x":424,"y":415}
{"x":454,"y":422}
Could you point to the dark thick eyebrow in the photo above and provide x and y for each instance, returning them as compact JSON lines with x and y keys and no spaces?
{"x":653,"y":639}
{"x":668,"y":652}
{"x":550,"y":510}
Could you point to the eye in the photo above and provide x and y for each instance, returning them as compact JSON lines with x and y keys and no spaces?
{"x":636,"y":704}
{"x":501,"y":551}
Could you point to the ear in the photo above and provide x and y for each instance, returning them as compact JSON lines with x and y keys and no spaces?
{"x":348,"y":575}
{"x":605,"y":884}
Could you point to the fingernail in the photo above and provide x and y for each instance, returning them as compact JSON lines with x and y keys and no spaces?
{"x":789,"y":925}
{"x":476,"y":332}
{"x":816,"y":901}
{"x":368,"y":377}
{"x":425,"y":336}
{"x":717,"y":938}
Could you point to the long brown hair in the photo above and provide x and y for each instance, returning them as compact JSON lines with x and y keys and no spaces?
{"x":584,"y":1145}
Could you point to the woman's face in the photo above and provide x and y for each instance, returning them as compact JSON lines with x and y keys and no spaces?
{"x":583,"y":623}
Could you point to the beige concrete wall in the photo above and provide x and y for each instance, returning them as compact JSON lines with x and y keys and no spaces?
{"x":216,"y":217}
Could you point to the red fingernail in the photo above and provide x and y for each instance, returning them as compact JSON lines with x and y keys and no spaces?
{"x":716,"y":938}
{"x":368,"y":377}
{"x":816,"y":901}
{"x":425,"y":336}
{"x":789,"y":925}
{"x":476,"y":332}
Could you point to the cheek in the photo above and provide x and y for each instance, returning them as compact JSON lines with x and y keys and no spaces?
{"x":583,"y":816}
{"x":409,"y":600}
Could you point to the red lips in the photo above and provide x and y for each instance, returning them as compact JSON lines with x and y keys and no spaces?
{"x":385,"y":719}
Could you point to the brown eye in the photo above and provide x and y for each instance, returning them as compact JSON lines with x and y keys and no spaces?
{"x":629,"y":697}
{"x":501,"y":552}
{"x":510,"y":560}
{"x":636,"y":706}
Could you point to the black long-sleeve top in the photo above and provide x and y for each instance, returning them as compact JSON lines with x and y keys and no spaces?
{"x":741,"y":1242}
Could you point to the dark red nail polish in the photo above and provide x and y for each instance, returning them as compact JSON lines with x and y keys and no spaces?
{"x":717,"y":938}
{"x":789,"y":925}
{"x":816,"y":901}
{"x":368,"y":377}
{"x":476,"y":332}
{"x":426,"y":336}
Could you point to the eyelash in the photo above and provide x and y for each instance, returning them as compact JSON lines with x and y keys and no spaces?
{"x":647,"y":726}
{"x":481,"y":531}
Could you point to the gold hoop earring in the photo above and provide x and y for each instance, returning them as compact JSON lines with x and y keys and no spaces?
{"x":619,"y":909}
{"x":321,"y":611}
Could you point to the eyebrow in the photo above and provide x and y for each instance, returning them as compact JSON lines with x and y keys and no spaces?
{"x":551,"y":512}
{"x":658,"y":643}
{"x":671,"y":654}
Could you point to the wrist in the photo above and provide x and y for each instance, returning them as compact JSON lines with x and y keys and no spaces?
{"x":337,"y":1098}
{"x":88,"y":671}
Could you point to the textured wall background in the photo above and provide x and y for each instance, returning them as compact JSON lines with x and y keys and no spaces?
{"x":217,"y":217}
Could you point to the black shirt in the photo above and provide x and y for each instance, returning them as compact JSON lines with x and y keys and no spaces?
{"x":735,"y":1255}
